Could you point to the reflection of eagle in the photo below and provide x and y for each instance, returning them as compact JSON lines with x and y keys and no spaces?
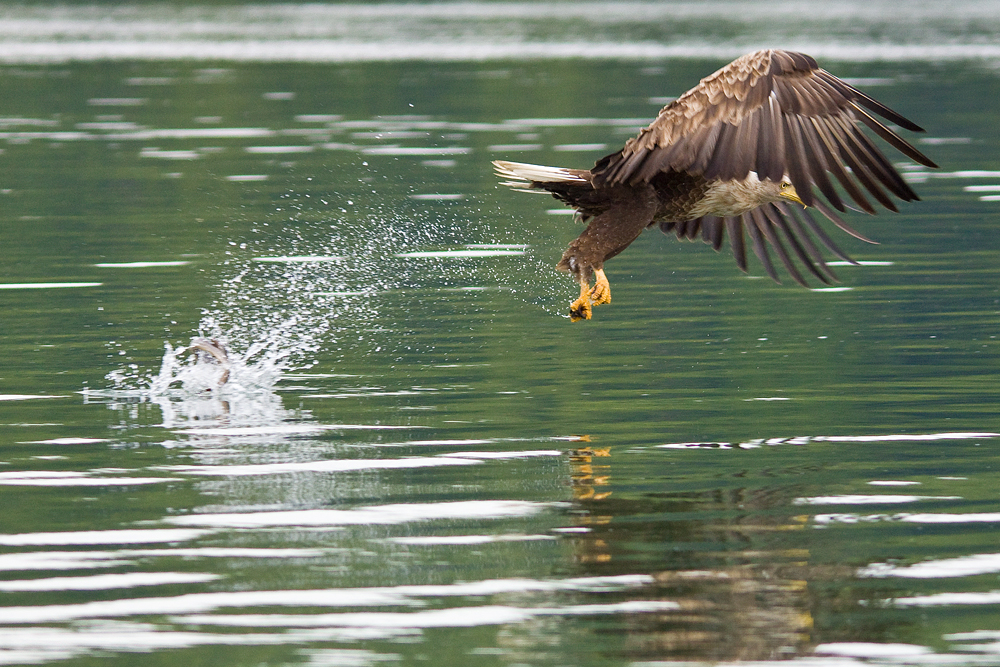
{"x":728,"y":156}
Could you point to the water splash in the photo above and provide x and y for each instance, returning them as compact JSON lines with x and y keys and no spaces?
{"x":333,"y":285}
{"x":206,"y":366}
{"x":211,"y":364}
{"x":205,"y":383}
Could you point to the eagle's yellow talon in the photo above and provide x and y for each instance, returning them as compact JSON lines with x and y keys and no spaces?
{"x":600,"y":293}
{"x":580,"y":309}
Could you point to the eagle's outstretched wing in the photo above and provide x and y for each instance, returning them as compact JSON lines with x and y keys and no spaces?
{"x":775,"y":113}
{"x":779,"y":226}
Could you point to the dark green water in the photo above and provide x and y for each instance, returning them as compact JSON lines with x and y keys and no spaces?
{"x":418,"y":458}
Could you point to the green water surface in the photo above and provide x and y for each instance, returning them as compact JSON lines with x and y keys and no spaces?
{"x":763,"y":530}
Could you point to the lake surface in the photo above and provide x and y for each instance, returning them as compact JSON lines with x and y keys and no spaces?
{"x":417,"y":458}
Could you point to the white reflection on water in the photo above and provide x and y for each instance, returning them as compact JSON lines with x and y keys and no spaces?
{"x":36,"y":644}
{"x":466,"y":540}
{"x":140,"y":265}
{"x":78,"y":560}
{"x":405,"y":596}
{"x":438,"y":197}
{"x":872,"y":650}
{"x":947,"y":599}
{"x":202,"y":602}
{"x":47,"y":285}
{"x":458,"y":617}
{"x":806,"y":439}
{"x":284,"y":429}
{"x":582,"y":148}
{"x":325,"y":466}
{"x":339,"y":657}
{"x":26,"y":397}
{"x":59,"y":560}
{"x":247,"y":178}
{"x":279,"y":150}
{"x":451,"y":443}
{"x":504,"y":455}
{"x":66,"y":441}
{"x":415,"y":150}
{"x":860,"y":263}
{"x":366,"y":516}
{"x":138,"y":536}
{"x":73,"y":478}
{"x":41,"y":644}
{"x":368,"y":394}
{"x":822,"y":520}
{"x":169,"y":155}
{"x":102,"y":582}
{"x":511,"y":148}
{"x":964,"y":566}
{"x":868,"y":499}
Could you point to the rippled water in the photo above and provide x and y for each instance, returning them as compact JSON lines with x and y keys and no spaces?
{"x":401,"y":451}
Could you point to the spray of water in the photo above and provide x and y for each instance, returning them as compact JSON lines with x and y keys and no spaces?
{"x":317,"y":279}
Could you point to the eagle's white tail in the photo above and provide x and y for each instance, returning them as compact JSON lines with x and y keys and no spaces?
{"x":523,"y":175}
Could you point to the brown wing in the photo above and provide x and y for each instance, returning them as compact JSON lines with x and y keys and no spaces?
{"x":774,"y":226}
{"x":774,"y":113}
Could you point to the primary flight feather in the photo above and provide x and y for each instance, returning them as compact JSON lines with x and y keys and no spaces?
{"x":732,"y":155}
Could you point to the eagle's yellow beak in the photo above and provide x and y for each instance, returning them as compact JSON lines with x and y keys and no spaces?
{"x":788,"y":192}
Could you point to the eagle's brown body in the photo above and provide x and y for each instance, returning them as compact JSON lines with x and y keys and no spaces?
{"x":729,"y":156}
{"x":619,"y":213}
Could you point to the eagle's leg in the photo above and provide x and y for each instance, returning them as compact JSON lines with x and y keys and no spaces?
{"x":630,"y":211}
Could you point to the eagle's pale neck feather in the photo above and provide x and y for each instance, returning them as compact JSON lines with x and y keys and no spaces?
{"x":732,"y":198}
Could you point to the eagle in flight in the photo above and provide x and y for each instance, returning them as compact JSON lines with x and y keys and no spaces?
{"x":732,"y":155}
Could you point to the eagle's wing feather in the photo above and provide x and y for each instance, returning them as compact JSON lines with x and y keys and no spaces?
{"x":770,"y":227}
{"x":775,"y":113}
